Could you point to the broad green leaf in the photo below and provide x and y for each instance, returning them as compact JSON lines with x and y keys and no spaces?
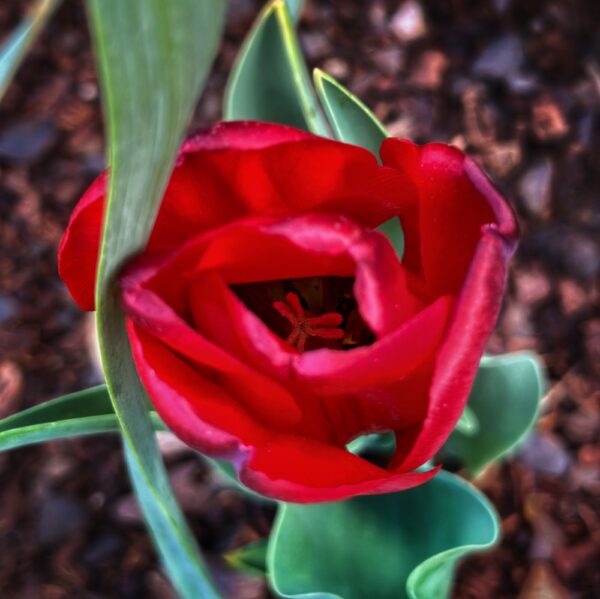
{"x":269,"y":81}
{"x":228,"y":474}
{"x":505,"y":401}
{"x":375,"y":447}
{"x":295,"y":8}
{"x":350,"y":120}
{"x":86,"y":412}
{"x":153,"y":58}
{"x":401,"y":545}
{"x":15,"y":47}
{"x":392,"y":229}
{"x":468,"y":424}
{"x":251,"y":559}
{"x":379,"y":447}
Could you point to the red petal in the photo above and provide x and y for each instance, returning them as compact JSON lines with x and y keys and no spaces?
{"x":223,"y":318}
{"x":299,"y":470}
{"x":458,"y":357}
{"x":465,"y":232}
{"x":254,"y":250}
{"x":283,"y":466}
{"x":388,"y":360}
{"x":241,"y":169}
{"x":78,"y":250}
{"x":455,"y":202}
{"x":193,"y":281}
{"x":386,"y":292}
{"x":262,"y":396}
{"x":242,"y":135}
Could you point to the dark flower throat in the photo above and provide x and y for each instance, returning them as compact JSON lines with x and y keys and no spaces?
{"x":309,"y":313}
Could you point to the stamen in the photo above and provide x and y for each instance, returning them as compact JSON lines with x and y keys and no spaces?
{"x":331,"y":319}
{"x":294,"y":302}
{"x":304,"y":326}
{"x":328,"y":333}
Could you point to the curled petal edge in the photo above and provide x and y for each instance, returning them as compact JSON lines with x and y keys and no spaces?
{"x":268,"y":462}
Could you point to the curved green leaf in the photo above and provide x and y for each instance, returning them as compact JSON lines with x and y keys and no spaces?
{"x":392,"y":229}
{"x":228,"y":475}
{"x":13,"y":50}
{"x":153,"y":58}
{"x":251,"y":559}
{"x":468,"y":423}
{"x":295,"y":9}
{"x":375,"y":447}
{"x":350,"y":120}
{"x":269,"y":81}
{"x":505,"y":401}
{"x":381,"y":546}
{"x":86,"y":412}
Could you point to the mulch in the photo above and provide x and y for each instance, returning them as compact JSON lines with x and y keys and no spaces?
{"x":515,"y":84}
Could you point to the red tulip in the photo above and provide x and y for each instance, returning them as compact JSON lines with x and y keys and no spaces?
{"x":271,"y":324}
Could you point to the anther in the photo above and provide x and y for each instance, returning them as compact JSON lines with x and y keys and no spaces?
{"x":325,"y":326}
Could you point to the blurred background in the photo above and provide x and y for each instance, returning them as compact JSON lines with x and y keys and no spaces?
{"x":515,"y":83}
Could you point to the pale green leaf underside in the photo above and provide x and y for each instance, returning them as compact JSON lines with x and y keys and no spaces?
{"x":392,"y":229}
{"x":86,"y":412}
{"x":15,"y":47}
{"x":351,"y":121}
{"x":295,"y":9}
{"x":502,"y":407}
{"x":505,"y":401}
{"x":269,"y":81}
{"x":382,"y":546}
{"x":250,"y":558}
{"x":153,"y":58}
{"x":468,"y":424}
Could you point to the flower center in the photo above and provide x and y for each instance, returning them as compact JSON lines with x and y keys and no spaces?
{"x":304,"y":325}
{"x":309,"y":313}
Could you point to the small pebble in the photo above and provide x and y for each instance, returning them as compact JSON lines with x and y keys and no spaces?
{"x":532,"y":285}
{"x":501,"y":59}
{"x":535,"y":188}
{"x":337,"y":68}
{"x":573,"y":297}
{"x":408,"y":23}
{"x":315,"y":45}
{"x":11,"y":387}
{"x":549,"y":123}
{"x":389,"y":60}
{"x":542,"y":583}
{"x":27,"y":142}
{"x":591,"y":344}
{"x":544,"y":454}
{"x":429,"y":73}
{"x":8,"y":308}
{"x":59,"y":517}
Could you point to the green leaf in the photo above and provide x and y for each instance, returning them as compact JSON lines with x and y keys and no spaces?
{"x":402,"y":545}
{"x":375,"y":447}
{"x":350,"y":120}
{"x":295,"y":9}
{"x":269,"y":81}
{"x":86,"y":412}
{"x":227,"y":473}
{"x":13,"y":50}
{"x":251,"y":559}
{"x":392,"y":229}
{"x":153,"y":58}
{"x":468,"y":424}
{"x":505,"y":401}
